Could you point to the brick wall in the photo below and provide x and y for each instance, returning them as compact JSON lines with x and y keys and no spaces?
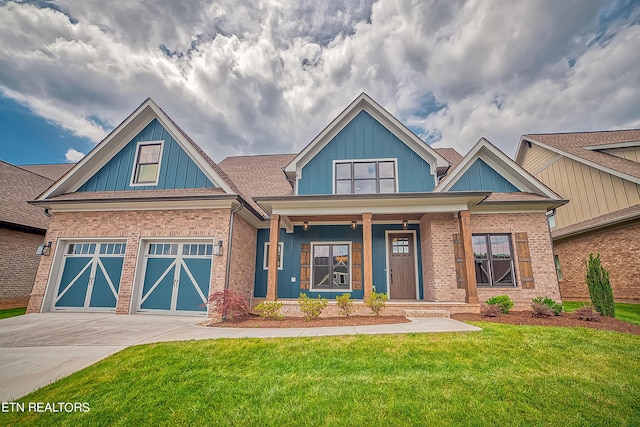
{"x":132,"y":226}
{"x":439,"y":276}
{"x":243,"y":257}
{"x":619,"y":250}
{"x":544,"y":272}
{"x":18,"y":265}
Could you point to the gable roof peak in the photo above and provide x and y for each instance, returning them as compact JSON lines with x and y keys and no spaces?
{"x":364,"y":102}
{"x":502,"y":164}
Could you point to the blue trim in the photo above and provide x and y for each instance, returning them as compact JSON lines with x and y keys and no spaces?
{"x":328,"y":233}
{"x":177,"y":169}
{"x":482,"y":177}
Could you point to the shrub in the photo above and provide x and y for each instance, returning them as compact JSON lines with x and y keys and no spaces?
{"x":345,"y":304}
{"x":376,"y":302}
{"x":541,"y":310}
{"x":502,"y":301}
{"x":600,"y":287}
{"x":587,"y":313}
{"x":490,"y":310}
{"x":550,"y":304}
{"x":311,"y":307}
{"x":269,"y":310}
{"x":228,"y":304}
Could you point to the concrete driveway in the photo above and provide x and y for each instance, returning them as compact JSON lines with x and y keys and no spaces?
{"x":37,"y":349}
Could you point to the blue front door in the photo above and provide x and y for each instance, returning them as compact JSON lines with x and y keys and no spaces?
{"x":176,"y":278}
{"x":90,"y":277}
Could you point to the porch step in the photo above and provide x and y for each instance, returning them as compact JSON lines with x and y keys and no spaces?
{"x":426,"y":313}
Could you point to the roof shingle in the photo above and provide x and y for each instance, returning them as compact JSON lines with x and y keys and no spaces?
{"x":17,"y":186}
{"x":574,"y":143}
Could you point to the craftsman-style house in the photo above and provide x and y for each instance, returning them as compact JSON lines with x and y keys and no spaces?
{"x":148,"y":223}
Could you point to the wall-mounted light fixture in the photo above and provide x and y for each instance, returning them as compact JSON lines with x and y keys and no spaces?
{"x":305,"y":226}
{"x":354,"y":225}
{"x":44,"y":249}
{"x":217,"y":248}
{"x":405,"y":224}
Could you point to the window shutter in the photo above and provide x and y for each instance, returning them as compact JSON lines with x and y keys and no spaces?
{"x":356,"y":266}
{"x":524,"y":261}
{"x":305,"y":265}
{"x":458,"y":251}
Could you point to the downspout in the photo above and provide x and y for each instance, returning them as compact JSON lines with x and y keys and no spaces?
{"x":229,"y":245}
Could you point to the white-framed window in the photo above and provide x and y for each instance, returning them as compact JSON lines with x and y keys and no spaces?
{"x":365,"y":176}
{"x":331,"y":266}
{"x":265,"y":262}
{"x":146,"y":168}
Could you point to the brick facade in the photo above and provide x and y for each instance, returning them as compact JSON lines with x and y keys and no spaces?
{"x":243,"y":257}
{"x":619,"y":249}
{"x":132,"y":227}
{"x":439,"y":276}
{"x":18,"y":264}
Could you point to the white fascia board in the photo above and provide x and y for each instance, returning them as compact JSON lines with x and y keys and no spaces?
{"x":628,"y":144}
{"x":366,"y":103}
{"x":502,"y":164}
{"x":90,"y":163}
{"x":120,"y":137}
{"x":344,"y":206}
{"x":586,"y":162}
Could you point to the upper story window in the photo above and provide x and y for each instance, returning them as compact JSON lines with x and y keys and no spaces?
{"x":362,"y":177}
{"x":147,"y":166}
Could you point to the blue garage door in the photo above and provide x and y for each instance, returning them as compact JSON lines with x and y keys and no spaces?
{"x":90,"y":276}
{"x":177,"y":277}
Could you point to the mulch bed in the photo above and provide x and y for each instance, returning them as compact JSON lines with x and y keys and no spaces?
{"x":568,"y":320}
{"x":253,"y":321}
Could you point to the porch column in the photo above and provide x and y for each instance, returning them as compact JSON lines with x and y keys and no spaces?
{"x":367,"y":254}
{"x":272,"y":281}
{"x":471,"y":292}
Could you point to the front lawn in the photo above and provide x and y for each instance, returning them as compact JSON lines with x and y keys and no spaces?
{"x":12,"y":312}
{"x":626,"y":312}
{"x":504,"y":375}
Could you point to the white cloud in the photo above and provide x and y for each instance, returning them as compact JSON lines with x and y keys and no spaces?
{"x":243,"y":79}
{"x":73,"y":156}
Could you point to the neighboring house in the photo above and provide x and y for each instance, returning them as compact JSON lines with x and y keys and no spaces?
{"x":599,"y":172}
{"x":22,"y":228}
{"x":148,"y":223}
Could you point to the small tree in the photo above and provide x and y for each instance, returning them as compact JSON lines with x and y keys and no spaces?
{"x":600,"y":287}
{"x":228,"y":304}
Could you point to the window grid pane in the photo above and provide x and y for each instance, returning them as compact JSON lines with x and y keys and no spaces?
{"x":493,"y":260}
{"x":365,"y":177}
{"x":331,"y":267}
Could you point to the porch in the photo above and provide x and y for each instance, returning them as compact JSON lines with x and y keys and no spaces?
{"x":329,"y":245}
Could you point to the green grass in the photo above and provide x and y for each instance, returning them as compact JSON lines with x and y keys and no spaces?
{"x":627,"y":312}
{"x":12,"y":312}
{"x":504,"y":375}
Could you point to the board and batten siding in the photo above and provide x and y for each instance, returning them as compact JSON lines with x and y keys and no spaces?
{"x":631,"y":153}
{"x":365,"y":138}
{"x":591,"y":192}
{"x":177,"y":170}
{"x":327,"y":233}
{"x":482,"y":177}
{"x":537,"y":158}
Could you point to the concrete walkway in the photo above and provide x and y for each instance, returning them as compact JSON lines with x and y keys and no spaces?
{"x":37,"y":349}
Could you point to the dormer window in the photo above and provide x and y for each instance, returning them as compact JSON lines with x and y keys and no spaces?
{"x":365,"y":177}
{"x":147,"y":166}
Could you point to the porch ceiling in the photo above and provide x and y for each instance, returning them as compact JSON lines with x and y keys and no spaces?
{"x":349,"y":218}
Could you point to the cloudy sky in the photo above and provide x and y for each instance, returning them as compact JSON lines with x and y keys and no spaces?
{"x":247,"y":77}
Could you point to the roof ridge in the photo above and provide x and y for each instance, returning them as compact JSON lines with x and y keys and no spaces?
{"x":583,"y":131}
{"x":27,"y":170}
